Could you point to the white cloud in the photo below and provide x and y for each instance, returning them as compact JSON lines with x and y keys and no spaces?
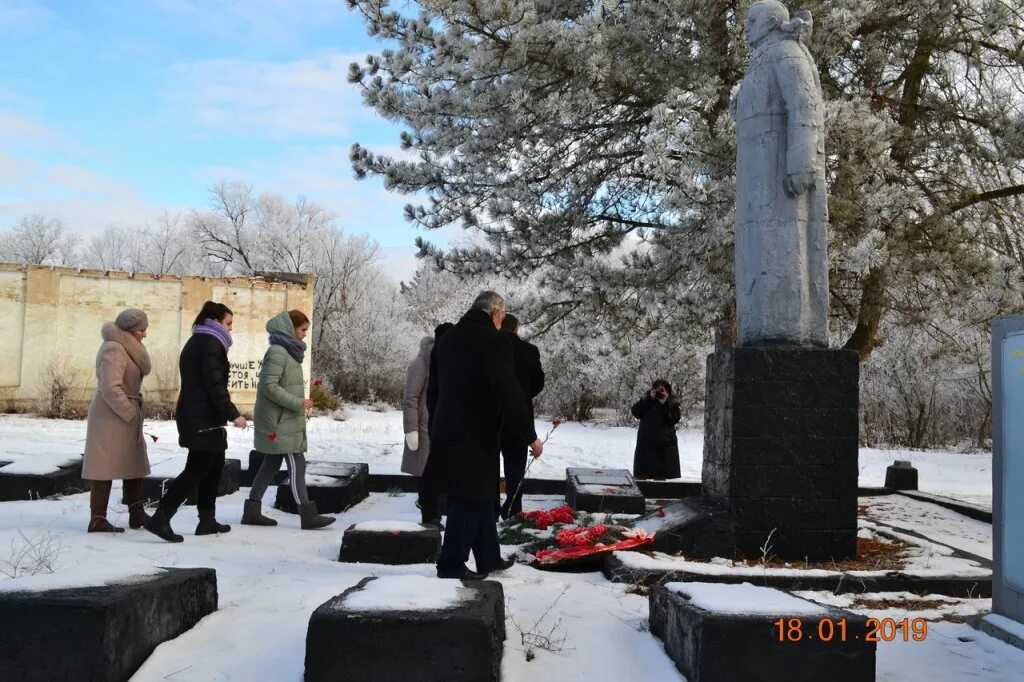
{"x":85,"y":200}
{"x":308,"y":97}
{"x":19,"y":131}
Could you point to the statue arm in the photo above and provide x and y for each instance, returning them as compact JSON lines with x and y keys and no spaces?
{"x":799,"y":89}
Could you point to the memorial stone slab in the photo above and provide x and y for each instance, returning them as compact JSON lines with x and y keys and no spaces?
{"x":669,"y":523}
{"x":418,"y":628}
{"x":1008,"y":467}
{"x":154,"y":487}
{"x":611,"y":491}
{"x":339,"y":487}
{"x":94,"y":634}
{"x":716,"y":632}
{"x":390,"y":542}
{"x":17,"y":484}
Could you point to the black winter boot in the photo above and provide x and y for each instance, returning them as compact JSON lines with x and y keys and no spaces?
{"x":208,"y":525}
{"x":310,"y":519}
{"x":252,"y":516}
{"x":159,"y":524}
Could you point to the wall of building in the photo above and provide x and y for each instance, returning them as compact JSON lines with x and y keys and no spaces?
{"x":53,"y":318}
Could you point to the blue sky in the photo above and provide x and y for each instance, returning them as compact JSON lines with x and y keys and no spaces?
{"x":113,"y":110}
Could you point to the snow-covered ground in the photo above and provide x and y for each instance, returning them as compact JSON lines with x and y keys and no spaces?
{"x":376,"y":439}
{"x":271,"y":579}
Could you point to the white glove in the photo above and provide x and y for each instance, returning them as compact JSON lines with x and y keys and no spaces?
{"x":412,"y":440}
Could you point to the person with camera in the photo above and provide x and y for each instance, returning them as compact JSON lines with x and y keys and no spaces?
{"x":657,"y":449}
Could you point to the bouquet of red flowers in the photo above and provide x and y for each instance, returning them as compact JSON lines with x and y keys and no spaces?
{"x":568,"y":536}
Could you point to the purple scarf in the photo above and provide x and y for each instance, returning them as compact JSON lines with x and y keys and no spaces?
{"x":215,"y":329}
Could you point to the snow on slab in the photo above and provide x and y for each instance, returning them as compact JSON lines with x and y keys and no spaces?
{"x":664,"y":562}
{"x":406,"y":593}
{"x":39,"y":465}
{"x":938,"y":523}
{"x":80,"y":576}
{"x":744,"y":599}
{"x":1006,"y":625}
{"x":390,"y":526}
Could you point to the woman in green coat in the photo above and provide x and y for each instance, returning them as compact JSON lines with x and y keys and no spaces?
{"x":280,"y":420}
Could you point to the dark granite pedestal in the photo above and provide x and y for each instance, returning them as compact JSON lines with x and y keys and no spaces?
{"x":66,"y":481}
{"x":463,"y":643}
{"x":741,"y":638}
{"x":612,"y":491}
{"x":338,"y":487}
{"x":154,"y":487}
{"x":780,"y":453}
{"x":370,"y":543}
{"x":99,"y":634}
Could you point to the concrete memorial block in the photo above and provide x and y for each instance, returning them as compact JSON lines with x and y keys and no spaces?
{"x":409,"y":627}
{"x":612,"y":491}
{"x":333,"y":486}
{"x":669,"y":524}
{"x":33,"y":478}
{"x":901,"y":475}
{"x":1008,"y":467}
{"x":154,"y":487}
{"x":105,"y":633}
{"x":717,"y":632}
{"x":390,"y":542}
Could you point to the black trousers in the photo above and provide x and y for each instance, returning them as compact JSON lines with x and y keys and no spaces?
{"x":202,"y":474}
{"x":430,"y":501}
{"x":514,"y":453}
{"x":470,"y":527}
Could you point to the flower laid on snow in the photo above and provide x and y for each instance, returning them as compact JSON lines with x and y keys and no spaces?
{"x":542,"y":519}
{"x":572,"y":537}
{"x":661,"y":512}
{"x":638,"y":534}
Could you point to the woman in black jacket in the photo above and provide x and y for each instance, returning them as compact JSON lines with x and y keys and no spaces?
{"x":204,"y":407}
{"x":657,"y":450}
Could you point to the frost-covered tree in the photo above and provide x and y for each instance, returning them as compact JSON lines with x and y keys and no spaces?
{"x":38,"y":240}
{"x":590,"y":141}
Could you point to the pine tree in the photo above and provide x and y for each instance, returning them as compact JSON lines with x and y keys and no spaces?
{"x":590,"y":143}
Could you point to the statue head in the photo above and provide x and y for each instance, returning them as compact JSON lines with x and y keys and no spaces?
{"x":764,"y":17}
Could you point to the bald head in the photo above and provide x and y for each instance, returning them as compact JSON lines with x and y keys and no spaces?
{"x":763,"y":17}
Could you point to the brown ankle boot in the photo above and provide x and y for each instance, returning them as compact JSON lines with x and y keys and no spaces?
{"x":137,"y":515}
{"x":99,"y":496}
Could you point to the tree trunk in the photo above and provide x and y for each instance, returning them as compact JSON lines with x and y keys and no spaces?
{"x":725,"y":327}
{"x":864,"y":338}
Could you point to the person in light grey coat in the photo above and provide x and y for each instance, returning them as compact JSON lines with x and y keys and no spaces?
{"x":415,"y":419}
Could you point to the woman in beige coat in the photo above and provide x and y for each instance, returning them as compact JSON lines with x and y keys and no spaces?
{"x":417,"y":438}
{"x":115,"y":447}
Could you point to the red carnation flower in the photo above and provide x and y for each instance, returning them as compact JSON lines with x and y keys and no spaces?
{"x":318,"y":382}
{"x":661,"y":512}
{"x":557,"y":423}
{"x":272,"y":436}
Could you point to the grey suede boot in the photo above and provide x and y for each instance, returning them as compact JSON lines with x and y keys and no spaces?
{"x":310,"y":519}
{"x":252,"y":516}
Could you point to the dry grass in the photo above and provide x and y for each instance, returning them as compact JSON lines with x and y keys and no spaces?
{"x":872,"y":555}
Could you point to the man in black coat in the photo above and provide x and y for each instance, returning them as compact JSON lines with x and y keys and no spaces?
{"x":477,"y":397}
{"x":530,"y":375}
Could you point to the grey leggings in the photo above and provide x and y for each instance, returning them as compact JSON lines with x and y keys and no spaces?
{"x":296,"y":474}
